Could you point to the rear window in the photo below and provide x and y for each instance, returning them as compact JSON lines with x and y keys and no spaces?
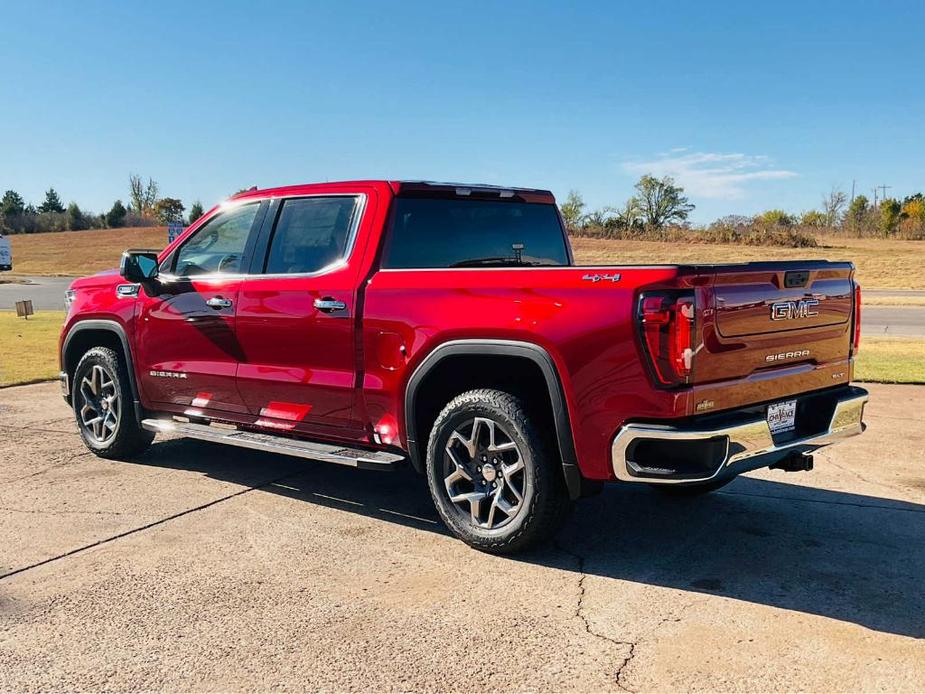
{"x":443,"y":233}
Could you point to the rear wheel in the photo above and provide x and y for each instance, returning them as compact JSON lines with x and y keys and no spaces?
{"x":103,"y":406}
{"x":494,"y":476}
{"x":689,"y":490}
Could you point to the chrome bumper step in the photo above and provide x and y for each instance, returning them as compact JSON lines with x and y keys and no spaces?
{"x":326,"y":453}
{"x":746,"y":444}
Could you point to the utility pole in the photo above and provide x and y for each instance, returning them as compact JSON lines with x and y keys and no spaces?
{"x":884,"y":189}
{"x":852,"y":191}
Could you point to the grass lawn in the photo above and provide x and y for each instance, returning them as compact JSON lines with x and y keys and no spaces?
{"x":28,"y":352}
{"x":29,"y":348}
{"x":891,"y":360}
{"x":881,"y":300}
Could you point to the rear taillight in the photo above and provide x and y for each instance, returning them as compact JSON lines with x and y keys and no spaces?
{"x":666,"y":324}
{"x":856,"y":330}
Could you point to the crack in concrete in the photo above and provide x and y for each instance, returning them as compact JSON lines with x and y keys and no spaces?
{"x":579,"y":613}
{"x":619,"y":674}
{"x":64,"y":463}
{"x":830,"y":460}
{"x":156,"y":523}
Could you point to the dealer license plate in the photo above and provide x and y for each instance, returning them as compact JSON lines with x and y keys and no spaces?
{"x":782,"y":416}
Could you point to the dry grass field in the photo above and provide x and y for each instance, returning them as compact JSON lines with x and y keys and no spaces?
{"x":69,"y":253}
{"x":881,"y":264}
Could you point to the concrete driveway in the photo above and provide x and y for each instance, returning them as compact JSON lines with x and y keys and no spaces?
{"x":196,"y":567}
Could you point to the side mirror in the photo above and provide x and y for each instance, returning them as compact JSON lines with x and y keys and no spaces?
{"x":139,"y":266}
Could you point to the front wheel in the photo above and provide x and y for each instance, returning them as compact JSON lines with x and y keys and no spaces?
{"x":103,"y":406}
{"x":494,"y":475}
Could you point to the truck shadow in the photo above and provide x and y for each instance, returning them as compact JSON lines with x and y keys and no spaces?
{"x":850,"y":557}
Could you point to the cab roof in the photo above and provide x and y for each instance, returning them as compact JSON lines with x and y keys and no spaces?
{"x":411,"y":188}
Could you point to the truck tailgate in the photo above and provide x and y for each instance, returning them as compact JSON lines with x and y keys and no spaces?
{"x":760,"y":319}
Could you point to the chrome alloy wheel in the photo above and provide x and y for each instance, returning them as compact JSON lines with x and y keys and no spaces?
{"x":484,"y":473}
{"x":99,"y":406}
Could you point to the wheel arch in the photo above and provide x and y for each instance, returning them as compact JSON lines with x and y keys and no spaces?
{"x":93,"y":332}
{"x":499,"y":352}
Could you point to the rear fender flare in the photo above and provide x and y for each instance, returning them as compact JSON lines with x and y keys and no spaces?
{"x":525,"y":350}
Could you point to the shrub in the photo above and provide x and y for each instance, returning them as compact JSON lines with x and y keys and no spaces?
{"x":777,"y":218}
{"x":133,"y":219}
{"x":814,"y":218}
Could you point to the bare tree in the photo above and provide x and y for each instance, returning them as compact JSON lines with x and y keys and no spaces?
{"x":832,"y":205}
{"x":143,"y":196}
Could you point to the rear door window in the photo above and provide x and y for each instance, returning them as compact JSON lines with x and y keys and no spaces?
{"x":446,"y":233}
{"x":311,"y":234}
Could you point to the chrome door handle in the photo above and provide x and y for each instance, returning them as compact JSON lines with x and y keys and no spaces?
{"x":218,"y":302}
{"x":328,"y":305}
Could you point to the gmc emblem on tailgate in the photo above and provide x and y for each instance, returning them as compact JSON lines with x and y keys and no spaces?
{"x":790,"y":310}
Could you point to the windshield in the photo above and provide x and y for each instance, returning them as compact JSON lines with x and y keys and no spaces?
{"x":444,"y":233}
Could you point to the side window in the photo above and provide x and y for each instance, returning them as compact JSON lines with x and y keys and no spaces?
{"x":310,"y":234}
{"x":218,"y":247}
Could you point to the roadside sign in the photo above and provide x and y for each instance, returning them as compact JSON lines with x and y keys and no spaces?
{"x":6,"y":255}
{"x":24,"y":308}
{"x":173,"y":231}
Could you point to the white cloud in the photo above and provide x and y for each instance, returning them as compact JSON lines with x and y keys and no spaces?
{"x":710,"y":174}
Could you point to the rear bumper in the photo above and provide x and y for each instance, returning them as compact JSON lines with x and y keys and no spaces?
{"x":692,"y":453}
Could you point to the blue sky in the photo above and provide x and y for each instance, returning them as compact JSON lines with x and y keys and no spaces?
{"x":749,"y":105}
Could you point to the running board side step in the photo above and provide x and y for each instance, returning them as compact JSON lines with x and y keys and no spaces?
{"x":327,"y":453}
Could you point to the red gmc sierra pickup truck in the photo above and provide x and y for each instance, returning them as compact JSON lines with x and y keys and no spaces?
{"x":373,"y":323}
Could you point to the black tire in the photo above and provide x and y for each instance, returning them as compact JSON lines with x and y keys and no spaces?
{"x":684,"y":491}
{"x":543,"y":503}
{"x":120,"y":435}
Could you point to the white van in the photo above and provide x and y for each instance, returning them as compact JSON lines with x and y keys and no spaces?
{"x":6,"y":254}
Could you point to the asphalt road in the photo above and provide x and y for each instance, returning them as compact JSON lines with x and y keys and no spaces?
{"x":48,"y":293}
{"x":195,"y":567}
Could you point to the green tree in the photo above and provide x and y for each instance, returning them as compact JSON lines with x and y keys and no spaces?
{"x":572,"y":209}
{"x":52,"y":202}
{"x":629,"y":216}
{"x":857,"y":210}
{"x":195,"y":211}
{"x":116,"y":216}
{"x":143,"y":195}
{"x":890,"y":214}
{"x":12,"y":204}
{"x":169,"y":211}
{"x":661,"y":202}
{"x":76,"y":221}
{"x":599,"y":218}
